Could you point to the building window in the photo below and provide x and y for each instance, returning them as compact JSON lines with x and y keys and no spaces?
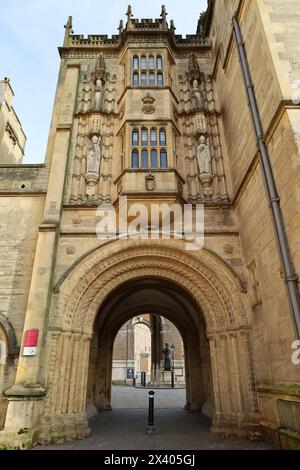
{"x":163,"y":159}
{"x":144,"y":136}
{"x":151,"y":62}
{"x":152,"y":79}
{"x":162,"y":138}
{"x":135,"y":137}
{"x":135,"y":62}
{"x":153,"y":137}
{"x":154,"y":162}
{"x":143,"y":62}
{"x":149,"y":142}
{"x":135,"y":159}
{"x":146,"y":66}
{"x":144,"y":158}
{"x":160,"y":79}
{"x":135,"y":79}
{"x":144,"y":79}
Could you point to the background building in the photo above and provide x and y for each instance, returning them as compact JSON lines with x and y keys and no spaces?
{"x":139,"y":348}
{"x":12,"y":137}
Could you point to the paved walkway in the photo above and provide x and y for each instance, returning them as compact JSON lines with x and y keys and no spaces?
{"x":124,"y":428}
{"x":138,"y":398}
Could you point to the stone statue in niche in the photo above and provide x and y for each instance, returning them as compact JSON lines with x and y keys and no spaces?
{"x":93,"y":166}
{"x":197,"y":97}
{"x":196,"y":77}
{"x":204,"y":166}
{"x":203,"y":156}
{"x":99,"y":82}
{"x":98,"y":90}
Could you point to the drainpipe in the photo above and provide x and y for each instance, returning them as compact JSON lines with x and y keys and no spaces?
{"x":290,"y":277}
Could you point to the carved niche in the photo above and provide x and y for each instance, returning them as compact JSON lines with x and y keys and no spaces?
{"x":204,"y":166}
{"x":198,"y":117}
{"x":92,"y":151}
{"x":93,"y":166}
{"x":97,"y":89}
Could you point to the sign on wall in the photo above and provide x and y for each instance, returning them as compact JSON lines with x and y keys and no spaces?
{"x":130,"y":373}
{"x":30,"y":342}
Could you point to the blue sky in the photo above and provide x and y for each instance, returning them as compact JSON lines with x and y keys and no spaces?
{"x":31,"y":31}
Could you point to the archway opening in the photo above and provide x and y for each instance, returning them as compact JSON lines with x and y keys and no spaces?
{"x":125,"y":311}
{"x":148,"y":351}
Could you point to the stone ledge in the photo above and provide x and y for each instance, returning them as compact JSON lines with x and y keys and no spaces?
{"x":25,"y":391}
{"x":280,"y":389}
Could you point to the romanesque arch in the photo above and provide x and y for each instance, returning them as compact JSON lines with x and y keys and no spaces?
{"x":206,"y":280}
{"x":8,"y":353}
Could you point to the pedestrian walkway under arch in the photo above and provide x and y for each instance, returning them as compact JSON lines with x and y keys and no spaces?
{"x":124,"y":428}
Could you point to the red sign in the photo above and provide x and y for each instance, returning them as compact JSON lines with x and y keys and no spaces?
{"x":31,"y":339}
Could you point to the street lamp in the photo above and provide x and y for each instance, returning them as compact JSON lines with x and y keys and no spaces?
{"x":173,"y":365}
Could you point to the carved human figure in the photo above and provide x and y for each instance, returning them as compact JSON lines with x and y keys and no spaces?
{"x":197,"y":98}
{"x":203,"y":157}
{"x":167,"y":357}
{"x":94,"y":157}
{"x":98,"y":89}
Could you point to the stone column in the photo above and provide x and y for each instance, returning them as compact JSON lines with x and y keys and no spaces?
{"x":233,"y":385}
{"x":27,"y":395}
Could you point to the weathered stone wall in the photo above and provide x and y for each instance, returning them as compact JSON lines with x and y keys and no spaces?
{"x":23,"y":179}
{"x":270,"y":36}
{"x":19,"y":224}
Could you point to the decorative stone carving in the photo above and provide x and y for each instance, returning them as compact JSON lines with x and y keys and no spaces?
{"x":76,"y":220}
{"x":228,"y":249}
{"x":95,"y":123}
{"x":164,"y":16}
{"x":196,"y":77}
{"x":197,"y":97}
{"x":99,"y":82}
{"x":121,"y":27}
{"x":210,"y":283}
{"x":172,"y":27}
{"x":129,"y":15}
{"x":255,"y":294}
{"x":148,"y":104}
{"x":203,"y":157}
{"x":194,"y":70}
{"x":98,"y":90}
{"x":69,"y":30}
{"x":150,"y":182}
{"x":204,"y":166}
{"x":93,"y":166}
{"x":100,"y":69}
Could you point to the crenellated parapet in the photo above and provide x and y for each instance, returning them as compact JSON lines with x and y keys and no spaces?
{"x":134,"y":26}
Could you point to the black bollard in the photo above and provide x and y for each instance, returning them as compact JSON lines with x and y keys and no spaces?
{"x":151,"y":428}
{"x":143,"y":379}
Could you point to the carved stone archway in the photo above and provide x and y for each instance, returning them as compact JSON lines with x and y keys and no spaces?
{"x":207,"y":281}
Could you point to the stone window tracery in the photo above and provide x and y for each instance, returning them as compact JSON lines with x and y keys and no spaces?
{"x":147,"y":70}
{"x":145,"y":142}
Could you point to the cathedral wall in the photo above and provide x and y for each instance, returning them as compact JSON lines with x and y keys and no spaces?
{"x":19,"y":224}
{"x":272,"y":66}
{"x":281,"y":29}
